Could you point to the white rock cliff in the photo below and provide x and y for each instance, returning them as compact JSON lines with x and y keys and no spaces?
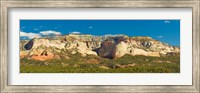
{"x":108,"y":46}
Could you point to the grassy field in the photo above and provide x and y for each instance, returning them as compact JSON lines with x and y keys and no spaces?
{"x":95,"y":64}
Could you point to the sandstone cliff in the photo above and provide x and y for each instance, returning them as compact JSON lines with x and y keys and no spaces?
{"x":108,"y":46}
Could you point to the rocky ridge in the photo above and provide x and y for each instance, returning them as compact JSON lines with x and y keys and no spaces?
{"x":108,"y":46}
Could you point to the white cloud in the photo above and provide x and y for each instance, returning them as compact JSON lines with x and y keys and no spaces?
{"x":75,"y":32}
{"x":50,"y":32}
{"x":23,"y":38}
{"x":90,"y":27}
{"x":36,"y":29}
{"x":29,"y":35}
{"x":167,"y":21}
{"x":159,"y":36}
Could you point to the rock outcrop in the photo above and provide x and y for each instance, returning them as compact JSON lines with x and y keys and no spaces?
{"x":118,"y":47}
{"x":107,"y":49}
{"x":108,"y":46}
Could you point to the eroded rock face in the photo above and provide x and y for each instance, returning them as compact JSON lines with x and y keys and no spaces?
{"x":135,"y":46}
{"x":114,"y":46}
{"x":145,"y":53}
{"x":46,"y":49}
{"x":107,"y":49}
{"x":122,"y":49}
{"x":146,"y":44}
{"x":45,"y":53}
{"x":29,"y":45}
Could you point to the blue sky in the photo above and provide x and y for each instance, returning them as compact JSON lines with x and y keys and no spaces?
{"x":167,"y":31}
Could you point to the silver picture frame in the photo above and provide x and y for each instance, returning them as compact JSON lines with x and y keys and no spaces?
{"x":6,"y":4}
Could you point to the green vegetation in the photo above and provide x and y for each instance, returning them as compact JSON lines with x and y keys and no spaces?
{"x":95,"y":64}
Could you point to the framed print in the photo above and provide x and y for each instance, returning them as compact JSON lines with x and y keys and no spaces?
{"x":99,"y":46}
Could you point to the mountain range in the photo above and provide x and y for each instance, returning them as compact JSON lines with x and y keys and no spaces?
{"x":107,"y":46}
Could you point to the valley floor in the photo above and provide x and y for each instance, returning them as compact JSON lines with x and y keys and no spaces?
{"x":96,"y":64}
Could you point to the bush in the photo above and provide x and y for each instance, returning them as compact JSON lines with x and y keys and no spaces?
{"x":78,"y":64}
